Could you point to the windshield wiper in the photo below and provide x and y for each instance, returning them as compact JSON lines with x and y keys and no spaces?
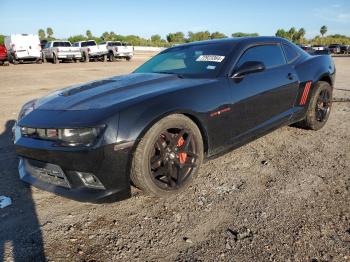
{"x":170,"y":73}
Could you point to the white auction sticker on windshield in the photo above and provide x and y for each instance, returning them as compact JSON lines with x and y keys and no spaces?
{"x":210,"y":58}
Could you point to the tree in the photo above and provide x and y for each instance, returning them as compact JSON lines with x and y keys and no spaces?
{"x":199,"y":36}
{"x":281,"y":33}
{"x":156,"y":38}
{"x":217,"y":35}
{"x":105,"y":36}
{"x":292,"y":33}
{"x":89,"y":34}
{"x":49,"y":32}
{"x":177,"y":37}
{"x":41,"y":33}
{"x":240,"y":34}
{"x":301,"y":34}
{"x":323,"y":30}
{"x":2,"y":39}
{"x":76,"y":38}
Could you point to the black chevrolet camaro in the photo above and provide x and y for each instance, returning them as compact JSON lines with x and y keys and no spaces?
{"x":154,"y":127}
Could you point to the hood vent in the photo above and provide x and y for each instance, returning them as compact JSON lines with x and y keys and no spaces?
{"x":85,"y":87}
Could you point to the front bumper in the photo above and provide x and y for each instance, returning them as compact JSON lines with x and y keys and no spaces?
{"x":57,"y":169}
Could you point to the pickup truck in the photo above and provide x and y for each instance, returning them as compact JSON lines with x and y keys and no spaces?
{"x":90,"y":50}
{"x":57,"y":51}
{"x":117,"y":49}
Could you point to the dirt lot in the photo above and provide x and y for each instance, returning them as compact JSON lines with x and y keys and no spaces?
{"x":284,"y":197}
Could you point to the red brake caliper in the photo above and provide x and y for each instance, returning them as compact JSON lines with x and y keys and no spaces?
{"x":182,"y":156}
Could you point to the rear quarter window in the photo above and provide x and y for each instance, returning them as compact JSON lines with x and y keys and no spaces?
{"x":291,"y":53}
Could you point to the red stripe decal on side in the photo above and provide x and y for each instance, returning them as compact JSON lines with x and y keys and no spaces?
{"x":305,"y":93}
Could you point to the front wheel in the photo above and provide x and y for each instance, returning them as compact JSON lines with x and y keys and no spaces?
{"x":168,"y":157}
{"x":55,"y":59}
{"x":319,"y":107}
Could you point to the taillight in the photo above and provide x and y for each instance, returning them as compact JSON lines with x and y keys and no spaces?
{"x":58,"y":49}
{"x":13,"y":46}
{"x":116,"y":49}
{"x":88,"y":50}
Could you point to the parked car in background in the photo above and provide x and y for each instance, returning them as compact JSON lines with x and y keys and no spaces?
{"x":335,"y":48}
{"x":320,"y":52}
{"x":90,"y":50}
{"x":345,"y":49}
{"x":3,"y":55}
{"x":117,"y":49}
{"x":318,"y":47}
{"x":306,"y":48}
{"x":57,"y":51}
{"x":23,"y":47}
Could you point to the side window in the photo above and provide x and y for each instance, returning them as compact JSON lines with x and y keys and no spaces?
{"x":270,"y":55}
{"x":291,"y":53}
{"x":56,"y":44}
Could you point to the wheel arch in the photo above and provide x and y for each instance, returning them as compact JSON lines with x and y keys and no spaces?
{"x":188,"y":114}
{"x":326,"y":78}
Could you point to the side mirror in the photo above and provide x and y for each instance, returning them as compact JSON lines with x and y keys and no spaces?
{"x":248,"y":68}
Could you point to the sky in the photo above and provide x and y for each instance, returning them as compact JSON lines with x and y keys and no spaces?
{"x":148,"y":17}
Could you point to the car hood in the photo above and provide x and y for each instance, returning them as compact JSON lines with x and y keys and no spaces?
{"x":115,"y":91}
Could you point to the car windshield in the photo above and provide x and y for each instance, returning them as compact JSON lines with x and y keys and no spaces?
{"x":199,"y":60}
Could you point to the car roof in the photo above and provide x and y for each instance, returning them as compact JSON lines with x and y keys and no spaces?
{"x":246,"y":40}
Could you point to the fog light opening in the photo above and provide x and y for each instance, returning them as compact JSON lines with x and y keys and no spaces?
{"x":90,"y":180}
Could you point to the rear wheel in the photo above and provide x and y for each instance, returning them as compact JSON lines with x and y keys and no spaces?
{"x":128,"y":58}
{"x":111,"y":57}
{"x":168,"y":157}
{"x":13,"y":60}
{"x":319,"y":107}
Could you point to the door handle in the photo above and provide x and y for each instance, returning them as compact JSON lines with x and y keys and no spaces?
{"x":290,"y":76}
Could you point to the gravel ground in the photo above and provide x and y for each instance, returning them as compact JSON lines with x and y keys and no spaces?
{"x":283,"y":197}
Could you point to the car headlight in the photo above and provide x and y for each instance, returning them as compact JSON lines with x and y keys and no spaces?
{"x":65,"y":136}
{"x":27,"y":108}
{"x":78,"y":136}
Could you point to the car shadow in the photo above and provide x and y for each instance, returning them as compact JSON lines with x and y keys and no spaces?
{"x":20,"y":231}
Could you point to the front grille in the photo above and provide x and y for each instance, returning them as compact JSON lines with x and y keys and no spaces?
{"x":46,"y":172}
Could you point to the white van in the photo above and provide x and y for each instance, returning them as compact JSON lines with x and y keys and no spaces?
{"x":23,"y":47}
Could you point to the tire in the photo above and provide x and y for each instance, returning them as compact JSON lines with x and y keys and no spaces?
{"x":317,"y":114}
{"x":43,"y":58}
{"x":86,"y":58}
{"x":128,"y":58}
{"x":111,"y":57}
{"x":55,"y":59}
{"x":104,"y":58}
{"x":39,"y":61}
{"x":153,"y":156}
{"x":13,"y":60}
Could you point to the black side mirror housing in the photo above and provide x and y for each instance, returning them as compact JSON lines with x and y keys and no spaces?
{"x":249,"y":67}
